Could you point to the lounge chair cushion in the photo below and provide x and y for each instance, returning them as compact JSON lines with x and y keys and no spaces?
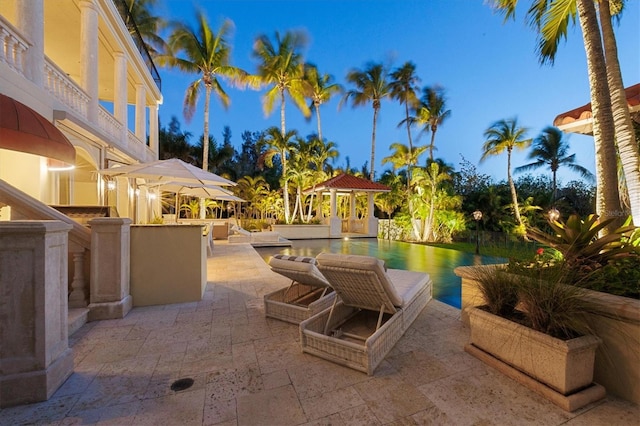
{"x":298,"y":268}
{"x":366,"y":263}
{"x":407,"y":283}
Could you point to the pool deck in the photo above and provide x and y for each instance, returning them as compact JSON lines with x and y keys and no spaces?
{"x":249,"y":370}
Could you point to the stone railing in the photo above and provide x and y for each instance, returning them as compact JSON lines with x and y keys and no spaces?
{"x":60,"y":86}
{"x":12,"y":47}
{"x":109,"y":124}
{"x":135,"y":145}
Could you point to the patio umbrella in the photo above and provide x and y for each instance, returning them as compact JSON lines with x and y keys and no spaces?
{"x":195,"y":189}
{"x":172,"y":170}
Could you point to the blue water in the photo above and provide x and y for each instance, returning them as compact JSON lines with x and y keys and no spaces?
{"x":437,"y":262}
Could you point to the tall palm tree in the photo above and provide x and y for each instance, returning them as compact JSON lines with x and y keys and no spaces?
{"x":505,"y":135}
{"x":433,"y":108}
{"x":551,"y":20}
{"x":404,"y":156}
{"x":282,"y":66}
{"x":404,"y":85}
{"x":279,"y":145}
{"x":147,"y":24}
{"x":370,"y":86}
{"x":321,"y":89}
{"x":551,"y":149}
{"x":203,"y":51}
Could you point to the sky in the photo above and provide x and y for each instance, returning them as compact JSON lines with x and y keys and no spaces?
{"x":488,"y":69}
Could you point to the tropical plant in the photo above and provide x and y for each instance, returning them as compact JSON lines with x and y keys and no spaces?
{"x":404,"y":157}
{"x":371,"y":85}
{"x":432,"y":112}
{"x":147,"y":24}
{"x":279,"y":145}
{"x":207,"y":53}
{"x":498,"y":288}
{"x":404,"y":85}
{"x":505,"y":135}
{"x":550,"y":149}
{"x":282,"y":67}
{"x":252,"y":189}
{"x":192,"y":208}
{"x":321,"y":89}
{"x":551,"y":19}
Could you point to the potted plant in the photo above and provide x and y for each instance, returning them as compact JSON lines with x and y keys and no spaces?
{"x":534,"y":322}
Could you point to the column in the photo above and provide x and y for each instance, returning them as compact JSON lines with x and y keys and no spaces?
{"x":120,"y":95}
{"x":30,"y":20}
{"x":371,"y":221}
{"x":110,"y":265}
{"x":35,"y":356}
{"x":89,"y":55}
{"x":153,"y":129}
{"x":141,"y":98}
{"x":335,"y":224}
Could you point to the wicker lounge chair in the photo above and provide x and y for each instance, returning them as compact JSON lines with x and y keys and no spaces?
{"x":373,"y":310}
{"x":308,"y":294}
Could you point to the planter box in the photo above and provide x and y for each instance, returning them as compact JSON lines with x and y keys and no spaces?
{"x":617,"y":364}
{"x":564,"y":365}
{"x":302,"y":232}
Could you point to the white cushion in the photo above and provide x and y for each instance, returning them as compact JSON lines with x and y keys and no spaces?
{"x":304,"y":272}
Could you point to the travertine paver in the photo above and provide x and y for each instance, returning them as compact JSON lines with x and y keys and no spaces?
{"x":249,"y":370}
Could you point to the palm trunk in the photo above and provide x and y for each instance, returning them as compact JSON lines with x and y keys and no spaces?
{"x":285,"y":196}
{"x":373,"y":143}
{"x":625,"y":137}
{"x":318,"y":119}
{"x":433,"y":139}
{"x":607,"y":195}
{"x":409,"y":165}
{"x":555,"y":188}
{"x":512,"y":187}
{"x":205,"y":142}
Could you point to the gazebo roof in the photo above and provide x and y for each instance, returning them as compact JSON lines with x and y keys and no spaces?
{"x":348,"y":183}
{"x":579,"y":120}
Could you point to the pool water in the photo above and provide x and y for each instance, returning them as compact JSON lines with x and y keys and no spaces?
{"x":437,"y":262}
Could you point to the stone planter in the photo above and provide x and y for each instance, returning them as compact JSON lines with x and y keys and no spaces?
{"x":564,"y":367}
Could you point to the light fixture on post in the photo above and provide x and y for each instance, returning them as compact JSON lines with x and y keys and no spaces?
{"x":554,"y":214}
{"x":111,"y":185}
{"x":477,"y":216}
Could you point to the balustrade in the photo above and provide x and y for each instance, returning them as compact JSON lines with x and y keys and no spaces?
{"x":109,"y":124}
{"x":64,"y":89}
{"x":12,"y":47}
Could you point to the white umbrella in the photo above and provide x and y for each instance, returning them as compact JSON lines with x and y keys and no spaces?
{"x":171,"y":170}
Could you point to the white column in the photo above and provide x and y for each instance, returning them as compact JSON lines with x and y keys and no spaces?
{"x":153,"y":129}
{"x":334,"y":202}
{"x":370,"y":204}
{"x":89,"y":55}
{"x":120,"y":92}
{"x":30,"y":20}
{"x":335,"y":223}
{"x":141,"y":97}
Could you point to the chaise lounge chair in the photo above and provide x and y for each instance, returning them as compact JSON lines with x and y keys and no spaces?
{"x":373,"y":310}
{"x":308,"y":294}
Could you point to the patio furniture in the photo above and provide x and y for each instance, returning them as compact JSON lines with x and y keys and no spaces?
{"x":258,"y":239}
{"x":374,"y":308}
{"x":308,"y":294}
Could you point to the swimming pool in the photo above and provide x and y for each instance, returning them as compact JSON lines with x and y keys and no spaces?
{"x":437,"y":262}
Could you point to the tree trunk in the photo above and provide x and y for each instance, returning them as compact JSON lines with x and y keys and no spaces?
{"x":318,"y":118}
{"x":433,"y":139}
{"x":285,"y":195}
{"x":373,"y":143}
{"x":512,"y":187}
{"x":607,"y":195}
{"x":625,"y":136}
{"x":205,"y":143}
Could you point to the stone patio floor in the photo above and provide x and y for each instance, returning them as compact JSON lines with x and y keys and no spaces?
{"x":249,"y":370}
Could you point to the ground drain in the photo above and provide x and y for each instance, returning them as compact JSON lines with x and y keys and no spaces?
{"x":182,"y":384}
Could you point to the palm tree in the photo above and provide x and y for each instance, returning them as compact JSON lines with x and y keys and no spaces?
{"x":403,"y":87}
{"x":207,"y":53}
{"x":433,"y":108}
{"x":252,"y":189}
{"x":281,"y":65}
{"x":321,"y":89}
{"x":279,"y":145}
{"x":147,"y":24}
{"x":551,"y":20}
{"x":404,"y":156}
{"x":370,"y":86}
{"x":505,"y":135}
{"x":550,"y":149}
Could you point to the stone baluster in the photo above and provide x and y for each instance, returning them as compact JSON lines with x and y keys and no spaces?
{"x":79,"y":297}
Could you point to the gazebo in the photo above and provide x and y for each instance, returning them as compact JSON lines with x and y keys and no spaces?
{"x":352,"y":186}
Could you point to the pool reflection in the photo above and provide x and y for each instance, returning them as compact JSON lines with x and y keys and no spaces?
{"x":437,"y":262}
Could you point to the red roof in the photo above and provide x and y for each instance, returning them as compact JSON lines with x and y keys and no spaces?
{"x":345,"y":182}
{"x":633,"y":99}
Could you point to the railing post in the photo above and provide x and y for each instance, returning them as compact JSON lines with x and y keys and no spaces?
{"x":35,"y":359}
{"x":79,"y":291}
{"x":110,"y":266}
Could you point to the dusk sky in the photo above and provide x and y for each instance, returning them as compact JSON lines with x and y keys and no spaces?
{"x":489,"y":70}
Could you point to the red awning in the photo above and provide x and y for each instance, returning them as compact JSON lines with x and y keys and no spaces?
{"x":22,"y":129}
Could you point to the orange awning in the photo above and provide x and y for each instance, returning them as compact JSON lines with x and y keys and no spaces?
{"x":22,"y":129}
